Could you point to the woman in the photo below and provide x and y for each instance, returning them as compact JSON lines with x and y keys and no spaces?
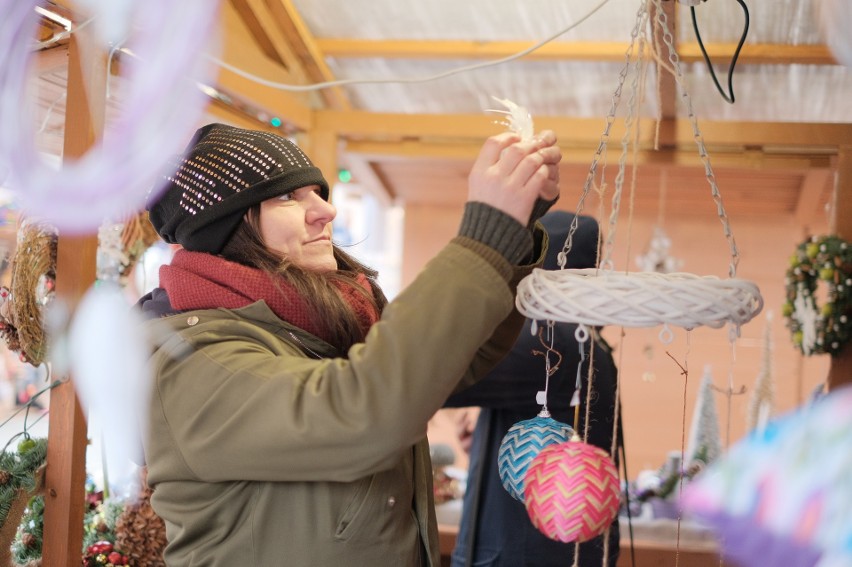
{"x":288,"y":419}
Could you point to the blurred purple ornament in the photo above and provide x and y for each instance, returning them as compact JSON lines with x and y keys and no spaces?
{"x":783,"y":496}
{"x":163,"y":61}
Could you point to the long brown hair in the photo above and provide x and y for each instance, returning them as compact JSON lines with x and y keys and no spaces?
{"x":246,"y":246}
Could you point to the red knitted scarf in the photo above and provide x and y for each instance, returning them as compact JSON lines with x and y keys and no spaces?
{"x":195,"y":280}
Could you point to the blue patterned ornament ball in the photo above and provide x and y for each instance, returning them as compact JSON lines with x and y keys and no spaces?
{"x":521,"y":444}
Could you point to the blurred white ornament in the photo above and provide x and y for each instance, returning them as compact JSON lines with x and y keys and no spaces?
{"x":805,"y":312}
{"x":112,"y":19}
{"x":657,"y":258}
{"x":107,"y":353}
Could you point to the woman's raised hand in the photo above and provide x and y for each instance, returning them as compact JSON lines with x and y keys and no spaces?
{"x":510,"y":174}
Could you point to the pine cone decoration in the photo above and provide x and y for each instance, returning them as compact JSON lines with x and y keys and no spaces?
{"x":10,"y":335}
{"x":29,"y":540}
{"x":5,"y":477}
{"x":140,"y":533}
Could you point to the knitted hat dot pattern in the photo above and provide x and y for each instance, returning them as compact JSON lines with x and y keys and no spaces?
{"x":223,"y":172}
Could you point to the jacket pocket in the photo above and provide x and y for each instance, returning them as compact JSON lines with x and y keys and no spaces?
{"x":352,"y":519}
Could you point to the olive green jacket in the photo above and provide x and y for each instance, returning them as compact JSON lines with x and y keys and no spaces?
{"x":264,"y":451}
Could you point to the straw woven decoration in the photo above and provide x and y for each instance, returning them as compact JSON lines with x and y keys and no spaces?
{"x":33,"y":276}
{"x":137,"y":236}
{"x":644,"y":299}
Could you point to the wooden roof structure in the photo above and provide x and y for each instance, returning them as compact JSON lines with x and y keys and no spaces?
{"x":773,"y":147}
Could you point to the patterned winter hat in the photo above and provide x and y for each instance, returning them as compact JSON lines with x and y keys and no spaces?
{"x":224,"y":172}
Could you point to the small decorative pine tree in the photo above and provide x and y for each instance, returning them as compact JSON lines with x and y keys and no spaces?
{"x":705,"y":442}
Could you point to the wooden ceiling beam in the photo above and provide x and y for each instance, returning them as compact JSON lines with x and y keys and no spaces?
{"x":290,"y":24}
{"x":292,"y":111}
{"x":241,"y":51}
{"x":408,"y":150}
{"x":366,"y":174}
{"x":803,"y":137}
{"x":261,"y":36}
{"x":232,"y":115}
{"x":811,"y":195}
{"x":602,"y":51}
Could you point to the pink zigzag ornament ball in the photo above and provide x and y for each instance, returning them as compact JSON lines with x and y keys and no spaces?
{"x":572,"y":492}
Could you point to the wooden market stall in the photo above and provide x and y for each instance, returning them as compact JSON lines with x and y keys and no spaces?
{"x":418,"y":160}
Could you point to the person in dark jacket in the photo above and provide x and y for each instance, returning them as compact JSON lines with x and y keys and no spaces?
{"x":495,"y":530}
{"x":287,"y":422}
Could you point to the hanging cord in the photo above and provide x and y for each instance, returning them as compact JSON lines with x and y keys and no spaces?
{"x":684,"y":371}
{"x":589,"y":387}
{"x":634,"y":173}
{"x":729,"y":97}
{"x":26,"y":411}
{"x":416,"y":79}
{"x":549,"y":370}
{"x":621,"y":448}
{"x":589,"y":393}
{"x":581,"y":334}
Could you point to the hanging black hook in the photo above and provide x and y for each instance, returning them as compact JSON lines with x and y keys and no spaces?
{"x":729,"y":96}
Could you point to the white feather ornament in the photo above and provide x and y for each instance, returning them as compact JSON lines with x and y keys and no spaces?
{"x":518,"y":119}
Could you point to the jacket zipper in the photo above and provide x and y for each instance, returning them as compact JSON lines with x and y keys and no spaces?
{"x":303,"y":345}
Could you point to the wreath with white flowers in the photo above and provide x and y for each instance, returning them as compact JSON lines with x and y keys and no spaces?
{"x":827,"y":328}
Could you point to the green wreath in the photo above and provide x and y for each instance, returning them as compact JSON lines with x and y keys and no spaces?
{"x":827,"y":259}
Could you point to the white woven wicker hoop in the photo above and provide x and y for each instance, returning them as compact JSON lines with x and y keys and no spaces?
{"x":637,"y":299}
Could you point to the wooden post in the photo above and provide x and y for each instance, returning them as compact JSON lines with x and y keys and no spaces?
{"x":666,"y":85}
{"x":65,"y":475}
{"x":840,"y":371}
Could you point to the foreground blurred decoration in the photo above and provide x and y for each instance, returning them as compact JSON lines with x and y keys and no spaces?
{"x":163,"y":47}
{"x":780,"y":496}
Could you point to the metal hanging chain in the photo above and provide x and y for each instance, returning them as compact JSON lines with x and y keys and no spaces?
{"x":632,"y":104}
{"x":662,"y":20}
{"x":641,"y":15}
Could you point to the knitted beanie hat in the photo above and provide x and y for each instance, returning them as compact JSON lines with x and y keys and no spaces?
{"x":224,"y":172}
